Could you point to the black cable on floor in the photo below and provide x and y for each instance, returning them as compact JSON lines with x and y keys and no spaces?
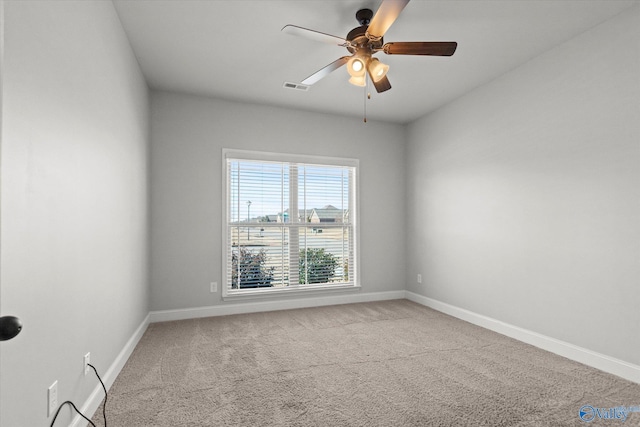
{"x":104,"y":406}
{"x":74,"y":407}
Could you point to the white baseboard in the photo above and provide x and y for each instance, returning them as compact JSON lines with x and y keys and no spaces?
{"x":596,"y":360}
{"x":95,"y":398}
{"x":259,"y":306}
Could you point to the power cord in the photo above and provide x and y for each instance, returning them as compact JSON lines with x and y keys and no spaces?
{"x":104,"y":406}
{"x":74,"y":407}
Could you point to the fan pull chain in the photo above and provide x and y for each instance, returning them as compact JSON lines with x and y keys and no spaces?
{"x":365,"y":104}
{"x":367,"y":95}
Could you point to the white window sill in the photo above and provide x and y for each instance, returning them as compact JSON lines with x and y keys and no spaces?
{"x":289,"y":290}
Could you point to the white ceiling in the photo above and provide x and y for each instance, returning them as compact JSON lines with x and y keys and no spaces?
{"x":235,"y":49}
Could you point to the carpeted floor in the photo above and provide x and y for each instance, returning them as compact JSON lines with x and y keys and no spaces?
{"x":390,"y":363}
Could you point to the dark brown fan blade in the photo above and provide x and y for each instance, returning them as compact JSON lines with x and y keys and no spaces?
{"x":420,"y":48}
{"x":322,"y":73}
{"x":382,"y":85}
{"x":385,"y":16}
{"x":314,"y":35}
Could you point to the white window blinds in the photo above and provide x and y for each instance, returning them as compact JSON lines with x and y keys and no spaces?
{"x":290,"y":225}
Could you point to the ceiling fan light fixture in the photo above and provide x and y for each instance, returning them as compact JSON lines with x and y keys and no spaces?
{"x":367,"y":40}
{"x":356,"y":67}
{"x":377,"y":70}
{"x":358,"y":81}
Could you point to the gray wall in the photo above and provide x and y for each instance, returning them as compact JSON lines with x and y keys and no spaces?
{"x":74,"y":201}
{"x":188,"y":134}
{"x":523,"y":196}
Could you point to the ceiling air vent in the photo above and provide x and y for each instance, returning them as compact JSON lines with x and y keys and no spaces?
{"x":298,"y":86}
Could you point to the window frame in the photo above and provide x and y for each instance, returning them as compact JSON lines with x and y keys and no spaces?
{"x":354,"y":210}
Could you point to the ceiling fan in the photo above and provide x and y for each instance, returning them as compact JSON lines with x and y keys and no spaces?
{"x":365,"y":41}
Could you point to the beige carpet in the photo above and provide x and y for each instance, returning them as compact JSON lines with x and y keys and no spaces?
{"x":391,"y":363}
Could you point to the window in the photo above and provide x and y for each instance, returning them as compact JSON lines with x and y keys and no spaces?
{"x":290,"y":223}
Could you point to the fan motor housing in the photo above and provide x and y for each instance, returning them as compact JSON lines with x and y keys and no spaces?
{"x":359,"y":40}
{"x":358,"y":36}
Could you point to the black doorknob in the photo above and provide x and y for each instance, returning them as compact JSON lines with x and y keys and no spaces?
{"x":10,"y":326}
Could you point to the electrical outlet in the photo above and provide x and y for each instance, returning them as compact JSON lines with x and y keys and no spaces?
{"x":87,"y":360}
{"x":214,"y":286}
{"x":52,"y":398}
{"x":419,"y":278}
